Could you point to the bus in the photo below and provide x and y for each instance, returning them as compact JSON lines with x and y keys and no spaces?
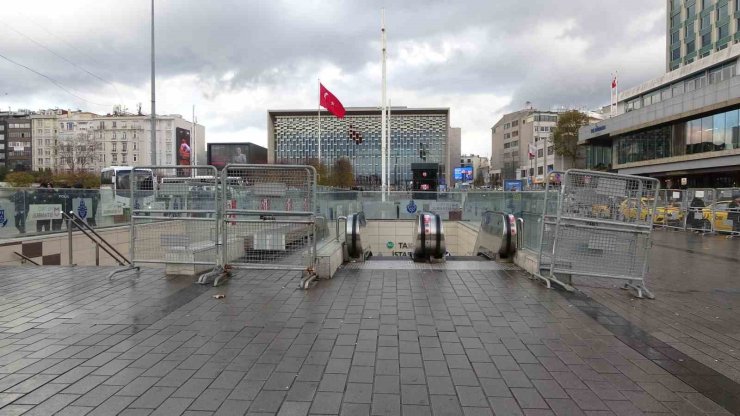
{"x":118,"y":180}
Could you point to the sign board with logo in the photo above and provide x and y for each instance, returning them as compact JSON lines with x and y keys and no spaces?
{"x":40,"y":212}
{"x":111,"y":209}
{"x":83,"y":208}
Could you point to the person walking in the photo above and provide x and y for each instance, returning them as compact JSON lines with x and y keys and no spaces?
{"x":21,"y":202}
{"x":734,"y":214}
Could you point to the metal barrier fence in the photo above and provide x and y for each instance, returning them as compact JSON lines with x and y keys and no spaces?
{"x":174,"y":217}
{"x":602,"y":228}
{"x":269,"y":218}
{"x":704,"y":210}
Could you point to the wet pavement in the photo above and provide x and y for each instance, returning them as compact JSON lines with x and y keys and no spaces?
{"x":382,"y":340}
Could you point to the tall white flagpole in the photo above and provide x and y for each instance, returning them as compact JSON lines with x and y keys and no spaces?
{"x":388,"y":163}
{"x":319,"y":119}
{"x":383,"y":150}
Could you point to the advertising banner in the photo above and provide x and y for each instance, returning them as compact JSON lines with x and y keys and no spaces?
{"x":464,"y":174}
{"x":38,"y":212}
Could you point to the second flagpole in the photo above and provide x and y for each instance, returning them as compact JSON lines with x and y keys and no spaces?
{"x":319,"y":121}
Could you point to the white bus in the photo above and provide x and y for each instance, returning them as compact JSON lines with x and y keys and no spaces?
{"x":118,"y":180}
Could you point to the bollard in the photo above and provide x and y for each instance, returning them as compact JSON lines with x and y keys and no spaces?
{"x":69,"y":239}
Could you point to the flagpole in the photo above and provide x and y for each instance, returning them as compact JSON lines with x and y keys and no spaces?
{"x":319,"y":121}
{"x":383,"y":150}
{"x":388,"y":137}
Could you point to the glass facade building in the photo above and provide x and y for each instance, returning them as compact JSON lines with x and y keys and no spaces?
{"x":712,"y":133}
{"x":416,"y":136}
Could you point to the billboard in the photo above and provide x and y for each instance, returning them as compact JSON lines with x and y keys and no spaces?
{"x":182,"y":149}
{"x":220,"y":155}
{"x":464,"y":174}
{"x":515,"y":185}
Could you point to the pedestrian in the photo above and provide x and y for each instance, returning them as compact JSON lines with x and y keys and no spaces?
{"x":734,"y":213}
{"x":696,"y":212}
{"x":21,"y":202}
{"x":42,"y":197}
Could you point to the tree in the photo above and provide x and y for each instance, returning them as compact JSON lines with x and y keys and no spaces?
{"x":321,"y":171}
{"x":341,"y":175}
{"x":479,"y":181}
{"x":19,"y":179}
{"x":76,"y":152}
{"x":565,"y":137}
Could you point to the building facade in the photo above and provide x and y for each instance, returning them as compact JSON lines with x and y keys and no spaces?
{"x":695,"y":29}
{"x":73,"y":141}
{"x":510,"y":147}
{"x":682,"y":127}
{"x":417,"y":135}
{"x":16,"y":140}
{"x":455,"y":150}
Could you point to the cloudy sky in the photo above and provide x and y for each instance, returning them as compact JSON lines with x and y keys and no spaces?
{"x":234,"y":59}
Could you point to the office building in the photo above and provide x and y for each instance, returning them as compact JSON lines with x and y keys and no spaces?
{"x":695,"y":29}
{"x":682,"y":127}
{"x":78,"y":140}
{"x":15,"y":132}
{"x":455,"y":146}
{"x":417,"y":135}
{"x":510,"y":147}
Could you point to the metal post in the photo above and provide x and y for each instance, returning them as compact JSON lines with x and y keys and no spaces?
{"x":97,"y":254}
{"x":383,"y":103}
{"x":69,"y":239}
{"x":154,"y":111}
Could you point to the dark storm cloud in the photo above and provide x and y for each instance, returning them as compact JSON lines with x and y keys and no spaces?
{"x":544,"y":51}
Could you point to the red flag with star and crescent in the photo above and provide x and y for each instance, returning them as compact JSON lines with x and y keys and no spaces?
{"x":330,"y":102}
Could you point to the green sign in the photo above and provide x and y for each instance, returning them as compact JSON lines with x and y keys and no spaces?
{"x":389,"y":244}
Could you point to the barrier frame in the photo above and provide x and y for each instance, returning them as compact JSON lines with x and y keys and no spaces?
{"x":168,"y":215}
{"x":307,"y":216}
{"x":619,"y":223}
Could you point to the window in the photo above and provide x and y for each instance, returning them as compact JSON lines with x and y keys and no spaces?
{"x":550,"y":150}
{"x":677,"y":89}
{"x":136,"y":158}
{"x":114,"y":147}
{"x":705,"y":4}
{"x":114,"y":124}
{"x":665,"y":94}
{"x":723,"y":31}
{"x":539,"y":170}
{"x":690,"y":46}
{"x":676,"y":20}
{"x":706,"y":39}
{"x":550,"y":168}
{"x":515,"y":133}
{"x":690,"y":11}
{"x":514,"y":123}
{"x":676,"y":54}
{"x":705,"y":22}
{"x":524,"y":173}
{"x":675,"y":36}
{"x":723,"y":11}
{"x":540,"y":152}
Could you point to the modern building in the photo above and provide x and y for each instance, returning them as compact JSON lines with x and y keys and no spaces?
{"x":221,"y":154}
{"x":16,"y":140}
{"x":77,"y":140}
{"x":510,"y":146}
{"x":417,"y":135}
{"x":455,"y":146}
{"x":695,"y":29}
{"x":681,"y":127}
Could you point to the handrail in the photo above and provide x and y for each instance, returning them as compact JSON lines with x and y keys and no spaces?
{"x":26,"y":258}
{"x":340,"y":218}
{"x":103,"y":243}
{"x":520,"y":233}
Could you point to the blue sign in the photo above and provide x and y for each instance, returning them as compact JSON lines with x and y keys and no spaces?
{"x":82,"y":209}
{"x":464,"y":173}
{"x":597,"y":129}
{"x":3,"y":220}
{"x":514,"y":185}
{"x":411,"y":207}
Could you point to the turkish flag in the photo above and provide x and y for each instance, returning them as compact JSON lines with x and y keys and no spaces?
{"x":330,"y":102}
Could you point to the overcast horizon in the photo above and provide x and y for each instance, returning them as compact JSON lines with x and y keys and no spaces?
{"x":234,"y":60}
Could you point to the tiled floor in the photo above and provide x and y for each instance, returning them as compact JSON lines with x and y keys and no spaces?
{"x":370,"y":341}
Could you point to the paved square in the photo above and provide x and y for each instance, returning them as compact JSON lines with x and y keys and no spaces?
{"x":371,"y":341}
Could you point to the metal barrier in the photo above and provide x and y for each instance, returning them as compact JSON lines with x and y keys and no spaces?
{"x":497,"y":238}
{"x":603,"y":228}
{"x":547,"y":228}
{"x":700,"y":211}
{"x":269,"y":219}
{"x":429,"y":238}
{"x":353,"y":236}
{"x":174,"y":217}
{"x":726,"y":212}
{"x":671,"y":209}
